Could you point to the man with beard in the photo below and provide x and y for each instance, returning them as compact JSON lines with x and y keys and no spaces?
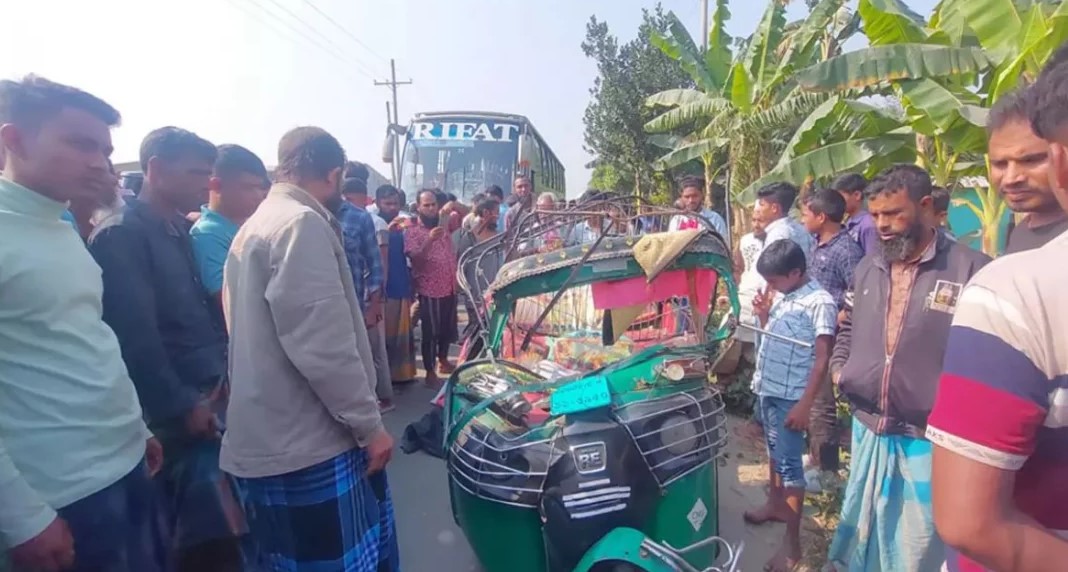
{"x":998,"y":423}
{"x":887,"y":367}
{"x":174,"y":343}
{"x":428,"y":244}
{"x":397,"y":309}
{"x":523,"y":195}
{"x":1019,"y":169}
{"x":305,"y":437}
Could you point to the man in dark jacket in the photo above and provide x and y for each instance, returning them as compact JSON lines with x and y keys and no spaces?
{"x":888,"y":368}
{"x":174,"y":342}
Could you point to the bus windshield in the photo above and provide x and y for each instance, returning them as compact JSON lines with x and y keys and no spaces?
{"x":459,"y":156}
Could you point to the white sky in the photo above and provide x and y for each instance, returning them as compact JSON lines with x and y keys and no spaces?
{"x":245,"y":71}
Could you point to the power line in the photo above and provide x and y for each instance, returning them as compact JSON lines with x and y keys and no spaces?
{"x":338,"y":51}
{"x":344,"y":30}
{"x":258,"y":16}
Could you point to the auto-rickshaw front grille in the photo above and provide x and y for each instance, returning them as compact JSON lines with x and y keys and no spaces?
{"x":490,"y":465}
{"x":699,"y":414}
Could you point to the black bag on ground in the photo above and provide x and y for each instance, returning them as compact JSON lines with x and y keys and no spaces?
{"x":427,"y":434}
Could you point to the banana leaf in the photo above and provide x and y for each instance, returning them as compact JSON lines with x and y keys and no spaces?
{"x":680,"y":47}
{"x":871,"y":120}
{"x":996,"y":23}
{"x":879,"y":64}
{"x":759,"y":58}
{"x":803,"y":46}
{"x":781,"y":116}
{"x":826,"y":161}
{"x":690,"y":152}
{"x":687,"y":106}
{"x":741,"y":88}
{"x":890,"y":22}
{"x":718,"y":58}
{"x":938,"y":102}
{"x":811,"y":131}
{"x":807,"y":38}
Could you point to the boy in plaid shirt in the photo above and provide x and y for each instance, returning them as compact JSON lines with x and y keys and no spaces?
{"x":800,"y":318}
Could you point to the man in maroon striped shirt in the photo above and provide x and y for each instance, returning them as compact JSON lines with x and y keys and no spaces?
{"x":1000,"y":420}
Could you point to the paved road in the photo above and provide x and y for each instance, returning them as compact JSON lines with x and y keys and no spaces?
{"x":429,"y":539}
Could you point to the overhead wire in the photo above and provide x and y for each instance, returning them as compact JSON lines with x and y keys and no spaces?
{"x":415,"y":92}
{"x":344,"y":30}
{"x":256,"y":11}
{"x":319,"y":33}
{"x":331,"y":48}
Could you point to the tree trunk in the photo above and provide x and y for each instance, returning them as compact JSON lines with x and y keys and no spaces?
{"x":710,"y":200}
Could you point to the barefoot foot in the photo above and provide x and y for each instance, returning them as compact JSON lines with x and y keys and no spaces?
{"x":786,"y":559}
{"x":764,"y":514}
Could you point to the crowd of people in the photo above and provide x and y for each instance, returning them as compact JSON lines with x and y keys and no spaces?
{"x":194,"y":377}
{"x":952,"y":365}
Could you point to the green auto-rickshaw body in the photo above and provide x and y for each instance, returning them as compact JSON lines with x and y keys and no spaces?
{"x":577,"y":472}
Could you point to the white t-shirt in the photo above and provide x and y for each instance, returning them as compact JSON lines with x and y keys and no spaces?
{"x":680,"y":222}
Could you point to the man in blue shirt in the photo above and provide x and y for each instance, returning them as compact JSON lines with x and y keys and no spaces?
{"x":834,"y":260}
{"x":354,"y":191}
{"x":73,"y":470}
{"x":859,"y":223}
{"x":360,"y":240}
{"x":237,"y":186}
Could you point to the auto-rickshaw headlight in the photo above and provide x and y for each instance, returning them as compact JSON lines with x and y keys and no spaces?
{"x":680,"y":434}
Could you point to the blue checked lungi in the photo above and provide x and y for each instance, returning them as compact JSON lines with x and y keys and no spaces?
{"x":329,"y":517}
{"x":886,"y":523}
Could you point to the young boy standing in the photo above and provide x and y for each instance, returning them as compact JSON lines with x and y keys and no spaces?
{"x":790,"y":374}
{"x":833,"y":262}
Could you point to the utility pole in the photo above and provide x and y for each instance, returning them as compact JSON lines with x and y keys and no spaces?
{"x":392,"y":84}
{"x":393,"y":167}
{"x":704,"y":25}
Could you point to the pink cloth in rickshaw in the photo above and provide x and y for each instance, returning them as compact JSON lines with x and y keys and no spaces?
{"x":671,"y":284}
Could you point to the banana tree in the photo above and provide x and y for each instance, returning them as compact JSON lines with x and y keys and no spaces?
{"x":746,"y":102}
{"x":841,"y":135}
{"x":946,"y":72}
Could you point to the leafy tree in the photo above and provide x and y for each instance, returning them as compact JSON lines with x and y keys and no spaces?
{"x":745,"y":104}
{"x":614,"y":119}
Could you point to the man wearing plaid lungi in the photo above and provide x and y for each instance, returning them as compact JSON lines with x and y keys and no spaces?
{"x":305,"y":436}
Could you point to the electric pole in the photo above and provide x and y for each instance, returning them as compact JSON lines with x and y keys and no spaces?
{"x":704,"y":25}
{"x":393,"y":166}
{"x":392,"y":84}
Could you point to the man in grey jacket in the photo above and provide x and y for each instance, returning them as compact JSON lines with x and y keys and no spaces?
{"x":305,"y":435}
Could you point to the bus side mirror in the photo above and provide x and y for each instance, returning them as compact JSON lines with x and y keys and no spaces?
{"x":388,"y":146}
{"x":527,"y":154}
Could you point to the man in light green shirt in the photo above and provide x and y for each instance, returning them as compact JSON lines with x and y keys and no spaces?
{"x":75,"y":490}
